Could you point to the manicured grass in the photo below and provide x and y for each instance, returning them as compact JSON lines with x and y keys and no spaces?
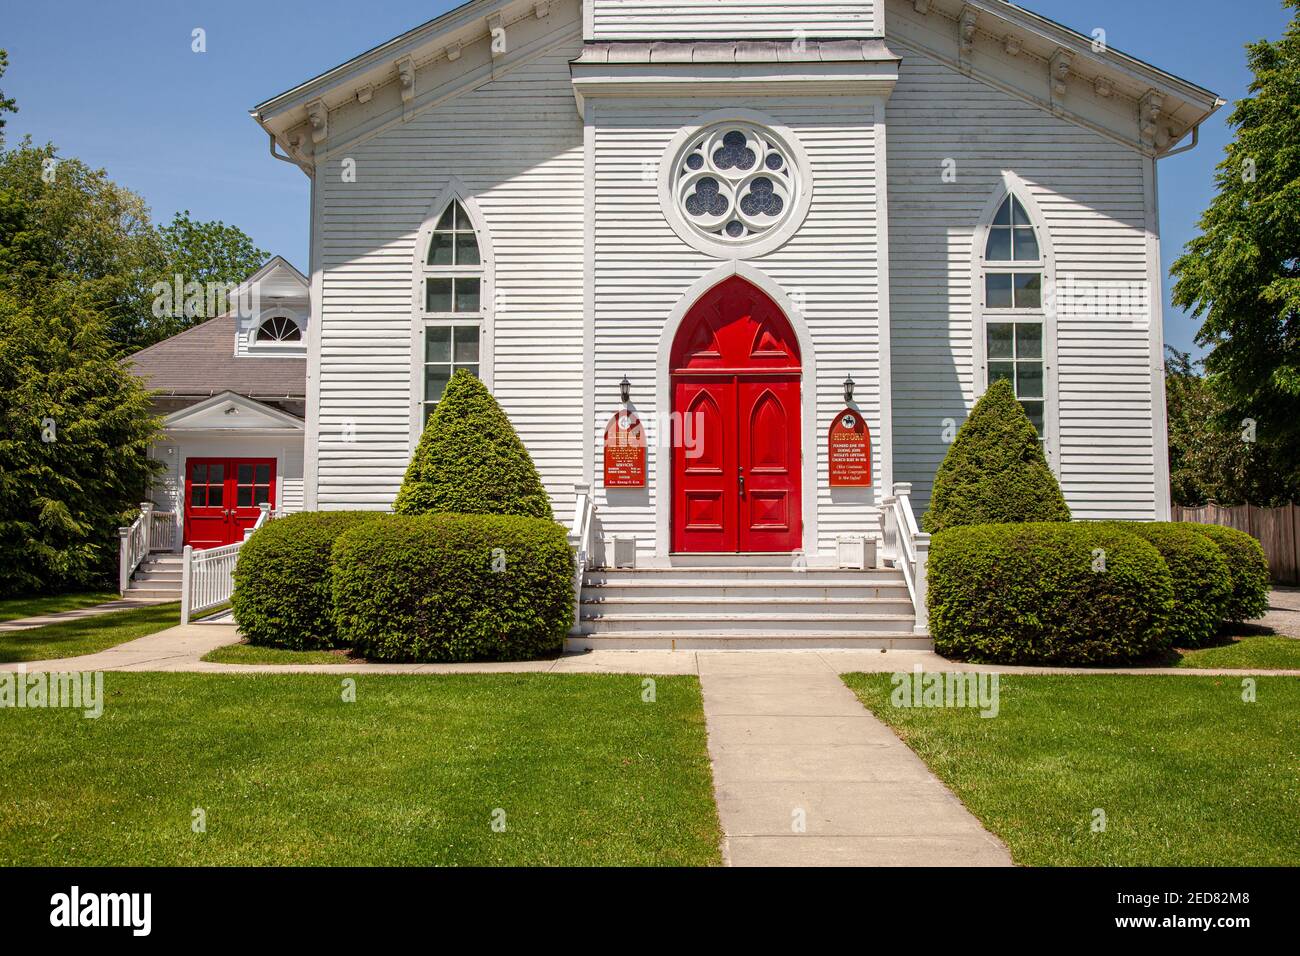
{"x":1186,"y":772}
{"x":86,"y":635}
{"x":13,"y":608}
{"x":412,"y":772}
{"x":1246,"y":653}
{"x":241,"y":653}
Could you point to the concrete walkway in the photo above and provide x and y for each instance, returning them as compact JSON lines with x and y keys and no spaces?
{"x":804,"y":775}
{"x":58,"y":617}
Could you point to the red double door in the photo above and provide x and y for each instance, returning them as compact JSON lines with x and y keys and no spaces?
{"x":736,"y":446}
{"x":223,"y":498}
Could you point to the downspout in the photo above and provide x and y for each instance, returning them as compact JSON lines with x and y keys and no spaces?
{"x":1196,"y":138}
{"x":284,"y":158}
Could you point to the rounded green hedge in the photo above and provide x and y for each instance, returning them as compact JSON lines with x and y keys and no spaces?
{"x":447,"y":587}
{"x":1200,"y":575}
{"x":1047,"y":593}
{"x":1247,"y":568}
{"x":282,"y":595}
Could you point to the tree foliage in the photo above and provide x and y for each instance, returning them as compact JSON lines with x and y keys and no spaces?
{"x":1241,"y":275}
{"x":470,"y":461}
{"x":1212,"y":456}
{"x":75,"y":429}
{"x":7,"y":103}
{"x":995,"y":470}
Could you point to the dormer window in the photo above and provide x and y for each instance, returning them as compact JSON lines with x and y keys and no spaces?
{"x":278,"y":328}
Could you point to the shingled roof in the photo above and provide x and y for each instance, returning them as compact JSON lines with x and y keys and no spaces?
{"x":201,"y":361}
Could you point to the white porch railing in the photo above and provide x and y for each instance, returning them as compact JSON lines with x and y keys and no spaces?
{"x":151,"y":531}
{"x":907,"y":547}
{"x":580,"y":542}
{"x":208,"y":576}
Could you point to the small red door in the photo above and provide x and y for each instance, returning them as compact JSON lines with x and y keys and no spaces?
{"x":737,"y":458}
{"x":222,"y":498}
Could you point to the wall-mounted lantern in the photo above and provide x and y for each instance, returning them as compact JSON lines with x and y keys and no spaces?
{"x":848,"y":390}
{"x":625,"y":390}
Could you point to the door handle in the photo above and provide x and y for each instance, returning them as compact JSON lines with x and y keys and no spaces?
{"x":742,"y":480}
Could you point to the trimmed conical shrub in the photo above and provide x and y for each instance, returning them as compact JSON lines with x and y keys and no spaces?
{"x":995,"y":472}
{"x":470,"y":461}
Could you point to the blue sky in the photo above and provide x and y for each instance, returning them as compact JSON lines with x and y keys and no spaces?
{"x":117,"y":85}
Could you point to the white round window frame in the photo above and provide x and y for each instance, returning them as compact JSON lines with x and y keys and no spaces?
{"x":765,"y":242}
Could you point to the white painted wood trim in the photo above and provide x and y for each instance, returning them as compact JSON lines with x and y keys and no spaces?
{"x":311,"y":441}
{"x":807,"y":400}
{"x":1012,"y":183}
{"x":1159,"y":409}
{"x":453,"y":190}
{"x":589,"y":290}
{"x":886,"y":396}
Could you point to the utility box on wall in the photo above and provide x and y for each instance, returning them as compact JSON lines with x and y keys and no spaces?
{"x":856,"y":551}
{"x":624,"y":551}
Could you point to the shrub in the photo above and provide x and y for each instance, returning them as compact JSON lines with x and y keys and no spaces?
{"x":1247,"y":568}
{"x":995,"y":470}
{"x":282,"y":594}
{"x":470,"y":461}
{"x":1202,"y":583}
{"x":1034,"y":594}
{"x":454,"y":588}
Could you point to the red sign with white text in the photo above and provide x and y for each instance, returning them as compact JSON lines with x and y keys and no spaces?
{"x":624,"y":452}
{"x":850,"y":451}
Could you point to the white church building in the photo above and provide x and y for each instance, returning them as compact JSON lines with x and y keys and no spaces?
{"x":697,"y":221}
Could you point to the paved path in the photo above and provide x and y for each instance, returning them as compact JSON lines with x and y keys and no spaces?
{"x":1283,"y":612}
{"x":40,"y":620}
{"x":804,"y":775}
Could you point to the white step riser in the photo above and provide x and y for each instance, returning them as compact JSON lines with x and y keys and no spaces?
{"x":595,"y":603}
{"x":725,"y":592}
{"x":150,"y":593}
{"x":159,"y":577}
{"x":853,"y":624}
{"x":752,"y":576}
{"x":771,"y":642}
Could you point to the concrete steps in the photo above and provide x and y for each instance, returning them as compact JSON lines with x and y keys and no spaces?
{"x":158,"y":578}
{"x":767,"y":604}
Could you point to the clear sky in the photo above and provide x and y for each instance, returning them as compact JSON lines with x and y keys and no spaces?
{"x":115,"y":83}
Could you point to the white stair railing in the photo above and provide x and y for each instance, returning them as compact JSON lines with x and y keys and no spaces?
{"x":580,"y":543}
{"x":162,"y":531}
{"x":208,"y":576}
{"x":133,"y":545}
{"x":907,"y":547}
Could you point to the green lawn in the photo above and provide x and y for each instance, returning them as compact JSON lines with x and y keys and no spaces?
{"x":1185,"y":771}
{"x":1246,"y":653}
{"x":241,"y":653}
{"x":13,"y":608}
{"x":86,"y":635}
{"x":411,"y":773}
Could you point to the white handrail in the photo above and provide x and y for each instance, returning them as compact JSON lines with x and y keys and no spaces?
{"x":908,"y":547}
{"x":162,"y":531}
{"x":580,"y":543}
{"x":208,"y":576}
{"x":133,"y":545}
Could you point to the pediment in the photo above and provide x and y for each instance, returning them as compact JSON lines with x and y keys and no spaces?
{"x":230,"y":411}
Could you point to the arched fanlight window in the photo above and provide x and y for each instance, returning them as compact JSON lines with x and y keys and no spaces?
{"x":453,"y":303}
{"x":279,"y":328}
{"x":1014,"y":317}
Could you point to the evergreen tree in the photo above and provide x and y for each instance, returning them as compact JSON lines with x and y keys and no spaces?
{"x":995,"y":471}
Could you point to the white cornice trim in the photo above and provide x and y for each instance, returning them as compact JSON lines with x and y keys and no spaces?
{"x":731,"y":79}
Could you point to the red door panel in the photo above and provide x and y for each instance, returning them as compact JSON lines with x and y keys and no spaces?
{"x":222,"y":496}
{"x":770,"y":509}
{"x":736,"y":378}
{"x":704,"y":475}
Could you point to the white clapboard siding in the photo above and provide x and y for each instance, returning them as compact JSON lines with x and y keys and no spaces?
{"x":1090,"y":191}
{"x":642,"y":269}
{"x":515,"y":144}
{"x":732,"y":19}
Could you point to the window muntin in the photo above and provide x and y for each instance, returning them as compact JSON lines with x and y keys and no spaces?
{"x":734,"y":182}
{"x":1014,"y":323}
{"x":278,"y":328}
{"x":452,"y":300}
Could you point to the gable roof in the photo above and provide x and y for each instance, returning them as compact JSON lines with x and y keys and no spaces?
{"x":231,"y":412}
{"x":201,"y":361}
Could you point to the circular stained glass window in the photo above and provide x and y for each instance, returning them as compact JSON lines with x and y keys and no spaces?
{"x":733,"y":183}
